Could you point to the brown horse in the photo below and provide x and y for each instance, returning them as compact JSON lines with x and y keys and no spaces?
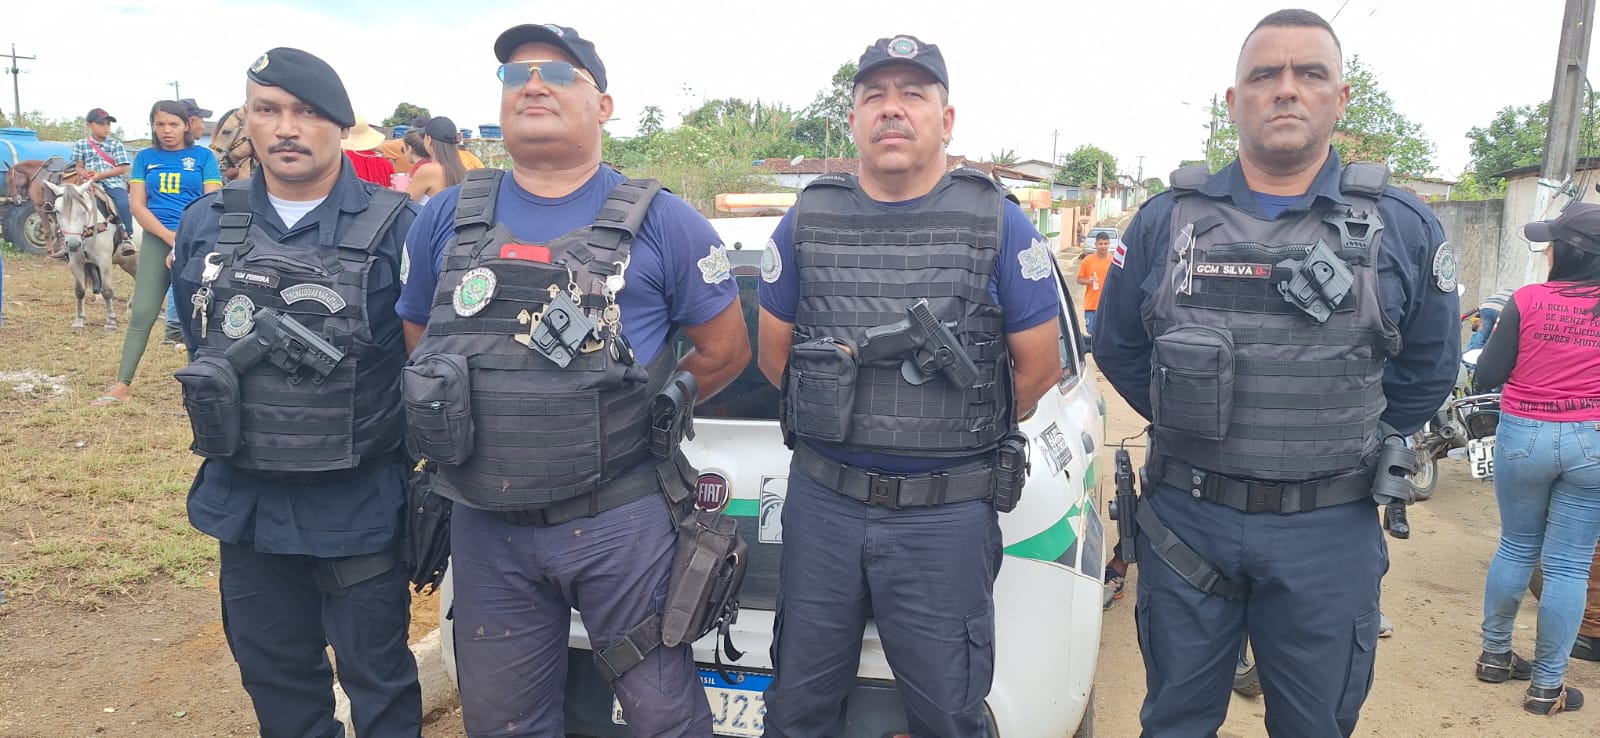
{"x":31,"y":175}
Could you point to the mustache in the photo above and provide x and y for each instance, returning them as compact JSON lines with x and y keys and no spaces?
{"x":892,"y":126}
{"x":289,"y":146}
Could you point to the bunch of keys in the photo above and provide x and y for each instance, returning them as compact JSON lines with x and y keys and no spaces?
{"x":202,"y":297}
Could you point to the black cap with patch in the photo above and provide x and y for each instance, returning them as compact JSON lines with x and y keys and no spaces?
{"x":98,"y":115}
{"x":1578,"y":227}
{"x":903,"y":50}
{"x":195,"y":111}
{"x":562,"y":37}
{"x":307,"y":77}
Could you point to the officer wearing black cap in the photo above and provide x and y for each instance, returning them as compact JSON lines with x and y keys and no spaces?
{"x":1283,"y":323}
{"x":197,"y":117}
{"x":900,"y":465}
{"x":539,"y":304}
{"x":287,"y":283}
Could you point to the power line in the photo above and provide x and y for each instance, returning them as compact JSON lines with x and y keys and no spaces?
{"x":14,"y":71}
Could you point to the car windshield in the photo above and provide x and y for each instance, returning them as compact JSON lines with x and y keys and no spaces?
{"x":750,"y":396}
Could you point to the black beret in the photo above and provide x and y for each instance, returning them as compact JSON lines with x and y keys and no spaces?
{"x":307,"y":77}
{"x":562,"y":37}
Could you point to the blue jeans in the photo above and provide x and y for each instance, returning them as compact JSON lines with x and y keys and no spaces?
{"x":1547,"y":481}
{"x":1088,"y":322}
{"x":172,"y":307}
{"x":119,"y":197}
{"x":1486,"y":320}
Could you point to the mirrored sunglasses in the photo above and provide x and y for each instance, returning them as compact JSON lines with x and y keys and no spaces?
{"x":554,"y":73}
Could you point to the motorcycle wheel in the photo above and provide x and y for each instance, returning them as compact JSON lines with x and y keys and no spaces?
{"x":1426,"y":478}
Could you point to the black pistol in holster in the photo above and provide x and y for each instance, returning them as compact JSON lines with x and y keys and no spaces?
{"x":672,"y":414}
{"x":1316,"y":284}
{"x":1011,"y":467}
{"x":287,"y":344}
{"x":926,"y":343}
{"x":427,"y":530}
{"x":1121,"y":508}
{"x":1392,"y":486}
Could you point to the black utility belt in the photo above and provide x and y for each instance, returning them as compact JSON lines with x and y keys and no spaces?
{"x":332,"y":476}
{"x":973,"y":481}
{"x":1255,"y":497}
{"x":613,"y":494}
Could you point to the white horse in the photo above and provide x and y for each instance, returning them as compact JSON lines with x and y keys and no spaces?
{"x":91,"y":243}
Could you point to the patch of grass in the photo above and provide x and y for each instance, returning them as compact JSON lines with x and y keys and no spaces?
{"x":94,"y":496}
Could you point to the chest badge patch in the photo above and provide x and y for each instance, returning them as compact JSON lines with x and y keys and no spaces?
{"x":771,"y":263}
{"x":715,"y":269}
{"x":1446,"y":270}
{"x":238,"y":317}
{"x":475,"y":292}
{"x":1035,"y":260}
{"x":316,"y":292}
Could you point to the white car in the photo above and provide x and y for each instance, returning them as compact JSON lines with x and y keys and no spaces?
{"x":1048,"y":596}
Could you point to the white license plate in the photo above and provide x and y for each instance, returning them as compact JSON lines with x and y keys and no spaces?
{"x":1480,"y":457}
{"x":737,"y":709}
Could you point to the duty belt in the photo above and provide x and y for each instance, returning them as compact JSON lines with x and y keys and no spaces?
{"x":332,"y":476}
{"x":974,"y":481}
{"x":613,"y":494}
{"x":1255,"y":497}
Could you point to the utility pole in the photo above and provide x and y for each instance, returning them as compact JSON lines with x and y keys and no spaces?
{"x":175,"y":93}
{"x":14,"y":71}
{"x":1566,"y":102}
{"x":1141,"y":169}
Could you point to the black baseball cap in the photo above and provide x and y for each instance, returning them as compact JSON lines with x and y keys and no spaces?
{"x":1578,"y":227}
{"x":304,"y":75}
{"x":562,"y":37}
{"x":194,"y":108}
{"x":903,"y":50}
{"x":442,"y":129}
{"x":97,"y":115}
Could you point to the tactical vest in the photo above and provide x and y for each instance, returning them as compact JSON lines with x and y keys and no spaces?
{"x":861,"y":265}
{"x":299,"y":422}
{"x":1269,"y":336}
{"x":522,"y":388}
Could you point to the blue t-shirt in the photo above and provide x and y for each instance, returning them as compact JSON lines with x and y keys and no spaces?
{"x":1024,"y":284}
{"x":173,"y":179}
{"x":677,"y":273}
{"x":1274,"y":205}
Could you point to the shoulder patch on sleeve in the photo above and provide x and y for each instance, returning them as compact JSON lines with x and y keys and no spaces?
{"x":1035,"y":260}
{"x":714,"y":268}
{"x":1119,"y":254}
{"x":1445,"y":267}
{"x":771,"y":263}
{"x":405,"y":263}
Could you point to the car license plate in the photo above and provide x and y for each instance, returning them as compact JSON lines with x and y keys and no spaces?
{"x":1480,"y":457}
{"x":737,"y":709}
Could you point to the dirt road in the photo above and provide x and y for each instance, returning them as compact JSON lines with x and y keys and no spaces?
{"x":156,"y":663}
{"x":1434,"y":596}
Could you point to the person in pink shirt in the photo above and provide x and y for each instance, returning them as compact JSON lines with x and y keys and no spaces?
{"x":1546,"y":351}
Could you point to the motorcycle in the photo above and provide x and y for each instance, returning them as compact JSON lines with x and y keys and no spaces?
{"x":1465,"y":421}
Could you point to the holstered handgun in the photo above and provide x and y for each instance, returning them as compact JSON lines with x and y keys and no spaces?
{"x":286,"y":344}
{"x":1121,"y":508}
{"x":1011,"y":467}
{"x":926,"y":343}
{"x":672,"y":414}
{"x":1318,"y":283}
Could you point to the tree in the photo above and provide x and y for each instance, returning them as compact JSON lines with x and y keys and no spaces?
{"x":1079,"y":167}
{"x":1515,"y":138}
{"x":1004,"y":157}
{"x":1155,"y":186}
{"x":825,"y":124}
{"x":1372,"y":129}
{"x":54,"y":129}
{"x":403,"y":114}
{"x":1472,"y":188}
{"x":1375,"y":131}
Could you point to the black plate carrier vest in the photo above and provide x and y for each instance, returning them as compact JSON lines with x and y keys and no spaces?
{"x":1244,"y":383}
{"x":523,"y":432}
{"x":291,"y":424}
{"x":862,"y":264}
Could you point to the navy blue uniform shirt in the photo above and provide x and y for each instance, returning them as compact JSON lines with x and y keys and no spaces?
{"x":349,"y":518}
{"x":1415,"y":382}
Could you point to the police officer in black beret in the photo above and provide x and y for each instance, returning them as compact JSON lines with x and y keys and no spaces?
{"x":287,"y":283}
{"x":1283,"y":323}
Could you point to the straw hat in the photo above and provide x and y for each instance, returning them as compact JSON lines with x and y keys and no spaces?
{"x":362,"y":136}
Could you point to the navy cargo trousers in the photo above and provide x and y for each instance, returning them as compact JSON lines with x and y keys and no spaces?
{"x":1311,"y":614}
{"x":515,"y":589}
{"x":926,"y":574}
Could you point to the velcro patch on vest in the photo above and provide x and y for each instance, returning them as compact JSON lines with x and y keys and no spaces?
{"x":1232,"y":270}
{"x":315,"y":292}
{"x":238,"y":317}
{"x":259,"y":279}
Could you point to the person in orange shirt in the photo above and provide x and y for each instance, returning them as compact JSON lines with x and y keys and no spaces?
{"x":1092,"y":275}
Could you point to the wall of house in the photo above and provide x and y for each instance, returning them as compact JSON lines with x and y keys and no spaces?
{"x":1474,"y":227}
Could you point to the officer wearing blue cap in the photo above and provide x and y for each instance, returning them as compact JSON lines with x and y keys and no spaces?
{"x":898,"y":475}
{"x":1283,"y":323}
{"x":286,"y":283}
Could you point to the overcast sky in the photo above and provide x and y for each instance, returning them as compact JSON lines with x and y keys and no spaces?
{"x":1130,"y":76}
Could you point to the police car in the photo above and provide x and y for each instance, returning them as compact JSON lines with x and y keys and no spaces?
{"x":1048,"y":598}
